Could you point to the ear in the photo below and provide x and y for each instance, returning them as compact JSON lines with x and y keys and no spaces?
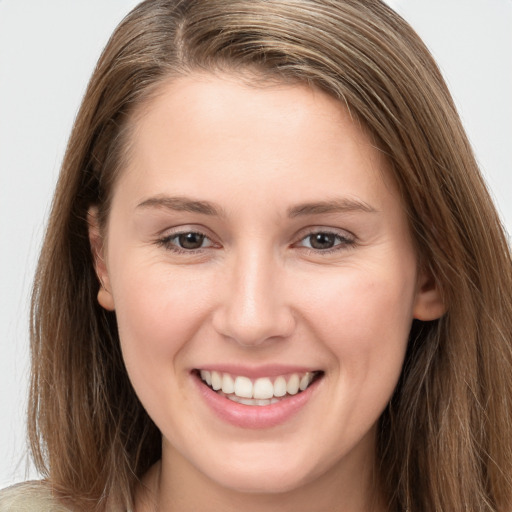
{"x":429,"y":304}
{"x":105,"y":298}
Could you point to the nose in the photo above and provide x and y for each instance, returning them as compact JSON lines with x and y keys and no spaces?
{"x":253,"y":306}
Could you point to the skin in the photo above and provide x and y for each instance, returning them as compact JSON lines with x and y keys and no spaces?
{"x":256,"y":293}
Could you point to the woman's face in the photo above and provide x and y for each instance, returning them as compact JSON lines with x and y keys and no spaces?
{"x":256,"y":238}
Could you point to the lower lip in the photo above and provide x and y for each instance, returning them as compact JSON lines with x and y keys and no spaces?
{"x":254,"y":416}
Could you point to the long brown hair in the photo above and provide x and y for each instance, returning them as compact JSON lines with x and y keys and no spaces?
{"x":445,"y":441}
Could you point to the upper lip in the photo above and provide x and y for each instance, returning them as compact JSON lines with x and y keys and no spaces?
{"x":254,"y":372}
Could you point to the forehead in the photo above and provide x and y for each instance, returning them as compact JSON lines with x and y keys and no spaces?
{"x":215,"y":132}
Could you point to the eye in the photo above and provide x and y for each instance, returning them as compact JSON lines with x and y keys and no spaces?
{"x":326,"y":241}
{"x":190,"y":240}
{"x":186,"y":241}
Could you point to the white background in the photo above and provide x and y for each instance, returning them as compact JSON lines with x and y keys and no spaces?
{"x":47,"y":52}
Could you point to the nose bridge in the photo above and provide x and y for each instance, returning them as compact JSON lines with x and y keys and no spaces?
{"x":254,"y":308}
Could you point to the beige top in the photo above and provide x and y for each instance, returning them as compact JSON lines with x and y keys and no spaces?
{"x":30,"y":497}
{"x":33,"y":496}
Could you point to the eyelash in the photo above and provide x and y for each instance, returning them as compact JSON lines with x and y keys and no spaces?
{"x":344,"y":242}
{"x":167,"y":242}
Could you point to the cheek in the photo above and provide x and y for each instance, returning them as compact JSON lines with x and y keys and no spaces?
{"x":157,"y":313}
{"x":364,"y":319}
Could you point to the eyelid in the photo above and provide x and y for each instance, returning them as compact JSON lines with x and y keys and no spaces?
{"x":185,"y":228}
{"x":311,"y":230}
{"x":164,"y":239}
{"x":346,"y":238}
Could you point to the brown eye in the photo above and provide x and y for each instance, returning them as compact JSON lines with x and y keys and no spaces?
{"x":190,"y":240}
{"x":186,"y":241}
{"x":327,"y":241}
{"x":321,"y":241}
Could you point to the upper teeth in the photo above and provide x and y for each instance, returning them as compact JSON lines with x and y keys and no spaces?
{"x":262,"y":388}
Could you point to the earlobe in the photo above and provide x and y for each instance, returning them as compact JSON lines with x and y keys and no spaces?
{"x":429,"y":304}
{"x":105,"y":298}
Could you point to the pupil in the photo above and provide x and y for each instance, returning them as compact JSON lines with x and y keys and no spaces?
{"x":322,"y":240}
{"x":191,"y":240}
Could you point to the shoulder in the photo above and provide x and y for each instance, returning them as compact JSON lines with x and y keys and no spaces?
{"x":33,"y":496}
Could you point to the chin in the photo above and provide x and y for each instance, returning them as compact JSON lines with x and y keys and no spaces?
{"x":261,"y":478}
{"x":251,"y":484}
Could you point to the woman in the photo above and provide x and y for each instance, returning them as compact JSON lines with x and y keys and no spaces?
{"x":281,"y":281}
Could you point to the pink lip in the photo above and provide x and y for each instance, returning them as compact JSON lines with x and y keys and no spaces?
{"x":252,"y":416}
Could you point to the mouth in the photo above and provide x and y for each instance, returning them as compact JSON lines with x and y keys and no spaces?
{"x":262,"y":391}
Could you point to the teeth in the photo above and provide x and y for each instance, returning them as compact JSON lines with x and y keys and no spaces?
{"x":252,"y":401}
{"x":228,"y":384}
{"x":216,"y":381}
{"x":243,"y":387}
{"x":263,"y":388}
{"x":304,"y":382}
{"x":280,"y":386}
{"x":246,"y":401}
{"x":293,"y":385}
{"x":260,"y":392}
{"x":207,"y":377}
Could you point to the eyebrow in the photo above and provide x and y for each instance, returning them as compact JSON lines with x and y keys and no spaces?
{"x":182,"y":204}
{"x":343,"y":205}
{"x":185,"y":204}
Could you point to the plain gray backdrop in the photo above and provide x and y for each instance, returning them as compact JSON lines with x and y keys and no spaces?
{"x":47,"y":52}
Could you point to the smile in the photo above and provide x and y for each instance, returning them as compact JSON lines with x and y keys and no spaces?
{"x":257,"y":392}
